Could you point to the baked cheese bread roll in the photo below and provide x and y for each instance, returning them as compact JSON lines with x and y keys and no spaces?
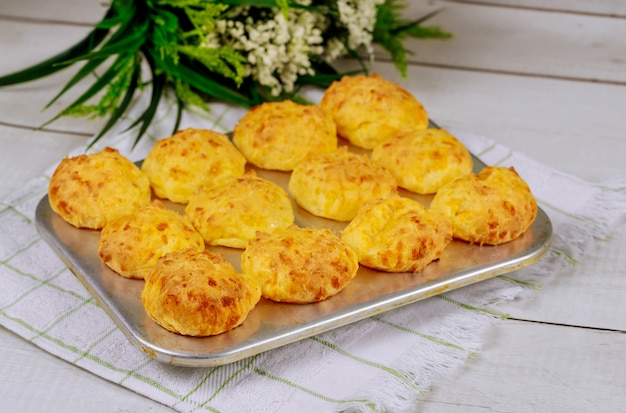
{"x":492,"y":207}
{"x":369,"y":109}
{"x":279,"y":135}
{"x":131,"y":244}
{"x":397,"y":235}
{"x":232,"y":213}
{"x":177,"y":166}
{"x":88,"y":191}
{"x":335,"y":185}
{"x":299,"y":265}
{"x":422,"y":161}
{"x":198,"y":293}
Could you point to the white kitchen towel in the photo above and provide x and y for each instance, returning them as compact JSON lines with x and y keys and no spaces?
{"x":382,"y":363}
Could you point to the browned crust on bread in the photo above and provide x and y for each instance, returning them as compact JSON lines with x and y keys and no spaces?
{"x":300,"y":265}
{"x":397,"y":235}
{"x":232,"y":213}
{"x":337,"y":184}
{"x":492,"y":207}
{"x":370,"y":109}
{"x":198,"y":293}
{"x":131,"y":245}
{"x":422,"y":161}
{"x":279,"y":135}
{"x":88,"y":191}
{"x":192,"y":158}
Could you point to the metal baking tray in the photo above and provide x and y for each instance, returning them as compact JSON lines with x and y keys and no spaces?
{"x":269,"y":324}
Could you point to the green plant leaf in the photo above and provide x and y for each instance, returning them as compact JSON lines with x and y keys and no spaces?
{"x":391,"y":29}
{"x":224,"y":60}
{"x":428,"y":32}
{"x":118,"y":14}
{"x":158,"y":83}
{"x":57,"y":62}
{"x":124,"y":104}
{"x":95,"y":59}
{"x":96,"y":87}
{"x":86,"y":70}
{"x":281,"y":4}
{"x":325,"y":74}
{"x":185,"y":95}
{"x":172,"y":36}
{"x":127,"y":43}
{"x":180,"y":105}
{"x":201,"y":82}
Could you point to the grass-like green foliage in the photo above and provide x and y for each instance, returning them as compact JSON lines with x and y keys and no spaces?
{"x":169,"y":35}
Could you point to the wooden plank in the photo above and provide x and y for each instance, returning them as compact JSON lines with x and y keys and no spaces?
{"x":523,"y":367}
{"x":23,"y":104}
{"x":38,"y":150}
{"x":573,"y":126}
{"x":590,"y":294}
{"x":529,"y":367}
{"x":79,"y":11}
{"x":526,"y":113}
{"x":598,"y":7}
{"x":525,"y":42}
{"x":71,"y":11}
{"x":576,"y":127}
{"x":26,"y":43}
{"x":450,"y":97}
{"x":491,"y":38}
{"x":49,"y":384}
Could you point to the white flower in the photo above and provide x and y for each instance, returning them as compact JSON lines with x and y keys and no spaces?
{"x":334,"y":49}
{"x":277,"y":49}
{"x":359,"y":17}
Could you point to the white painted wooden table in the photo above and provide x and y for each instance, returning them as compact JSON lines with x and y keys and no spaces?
{"x":545,"y":77}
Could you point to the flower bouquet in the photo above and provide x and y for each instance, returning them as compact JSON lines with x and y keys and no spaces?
{"x":240,"y":52}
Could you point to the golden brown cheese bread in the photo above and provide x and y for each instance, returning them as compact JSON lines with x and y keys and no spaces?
{"x":299,"y":265}
{"x":177,"y":166}
{"x":232,"y":213}
{"x":492,"y":207}
{"x":198,"y":293}
{"x":88,"y":191}
{"x":131,"y":244}
{"x":279,"y":135}
{"x":397,"y":234}
{"x":422,"y":161}
{"x":369,"y":109}
{"x":335,"y":185}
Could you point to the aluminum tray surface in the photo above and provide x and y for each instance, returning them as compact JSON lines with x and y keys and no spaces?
{"x":269,"y":324}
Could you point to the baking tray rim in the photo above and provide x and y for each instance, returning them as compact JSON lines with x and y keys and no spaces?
{"x":350,"y":314}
